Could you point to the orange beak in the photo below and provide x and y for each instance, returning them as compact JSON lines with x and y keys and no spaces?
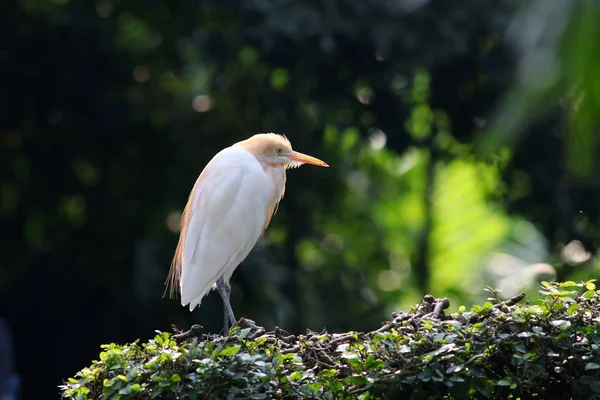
{"x":306,"y":159}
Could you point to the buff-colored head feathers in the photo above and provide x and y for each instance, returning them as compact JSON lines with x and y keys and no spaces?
{"x":276,"y":150}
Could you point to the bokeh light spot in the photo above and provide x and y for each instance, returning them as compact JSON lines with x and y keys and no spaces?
{"x":202,"y":103}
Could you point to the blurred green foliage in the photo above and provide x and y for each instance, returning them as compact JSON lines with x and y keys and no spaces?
{"x":556,"y":68}
{"x":110,"y":110}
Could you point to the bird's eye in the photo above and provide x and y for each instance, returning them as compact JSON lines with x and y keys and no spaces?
{"x":279,"y":150}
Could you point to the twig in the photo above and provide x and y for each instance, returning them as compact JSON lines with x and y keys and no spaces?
{"x":429,"y":299}
{"x":383,"y":329}
{"x":292,"y":349}
{"x":280,"y":332}
{"x":438,"y":310}
{"x":401,"y":317}
{"x":247,"y":323}
{"x":284,"y":336}
{"x":329,"y":360}
{"x":259,"y":332}
{"x":356,"y":389}
{"x":401,"y":314}
{"x":194,"y":332}
{"x":512,"y":301}
{"x":291,"y":339}
{"x":316,"y":357}
{"x":340,"y":339}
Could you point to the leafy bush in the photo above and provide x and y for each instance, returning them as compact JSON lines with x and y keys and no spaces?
{"x":500,"y":350}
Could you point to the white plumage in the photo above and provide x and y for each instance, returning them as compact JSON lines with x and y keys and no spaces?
{"x":230,"y":206}
{"x":231,"y":200}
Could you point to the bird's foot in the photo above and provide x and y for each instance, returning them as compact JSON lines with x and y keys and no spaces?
{"x":228,"y":323}
{"x":243,"y":323}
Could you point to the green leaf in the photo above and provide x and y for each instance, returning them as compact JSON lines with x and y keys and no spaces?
{"x":229,"y":351}
{"x":136,"y":387}
{"x":356,"y":364}
{"x":572,"y":309}
{"x":296,"y":376}
{"x":356,"y":380}
{"x":244,"y":332}
{"x":568,"y":284}
{"x":521,"y":348}
{"x":454,"y":369}
{"x":591,"y":365}
{"x":369,"y":360}
{"x":328,"y":373}
{"x":504,"y":382}
{"x":454,"y":323}
{"x":536,"y":369}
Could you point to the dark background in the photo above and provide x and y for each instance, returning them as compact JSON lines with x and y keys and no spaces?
{"x":462,"y":140}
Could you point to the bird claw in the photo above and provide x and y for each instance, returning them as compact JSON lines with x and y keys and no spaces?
{"x":244,"y":323}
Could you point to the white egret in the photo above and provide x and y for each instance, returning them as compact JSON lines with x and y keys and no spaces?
{"x":229,"y":207}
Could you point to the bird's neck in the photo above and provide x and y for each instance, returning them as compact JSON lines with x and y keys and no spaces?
{"x":277,"y":175}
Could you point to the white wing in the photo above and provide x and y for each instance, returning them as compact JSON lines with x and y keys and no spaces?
{"x":224,"y":218}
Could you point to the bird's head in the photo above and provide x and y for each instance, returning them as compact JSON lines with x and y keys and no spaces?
{"x":276,"y":150}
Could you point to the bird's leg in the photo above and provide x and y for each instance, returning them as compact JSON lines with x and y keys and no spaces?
{"x":224,"y":290}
